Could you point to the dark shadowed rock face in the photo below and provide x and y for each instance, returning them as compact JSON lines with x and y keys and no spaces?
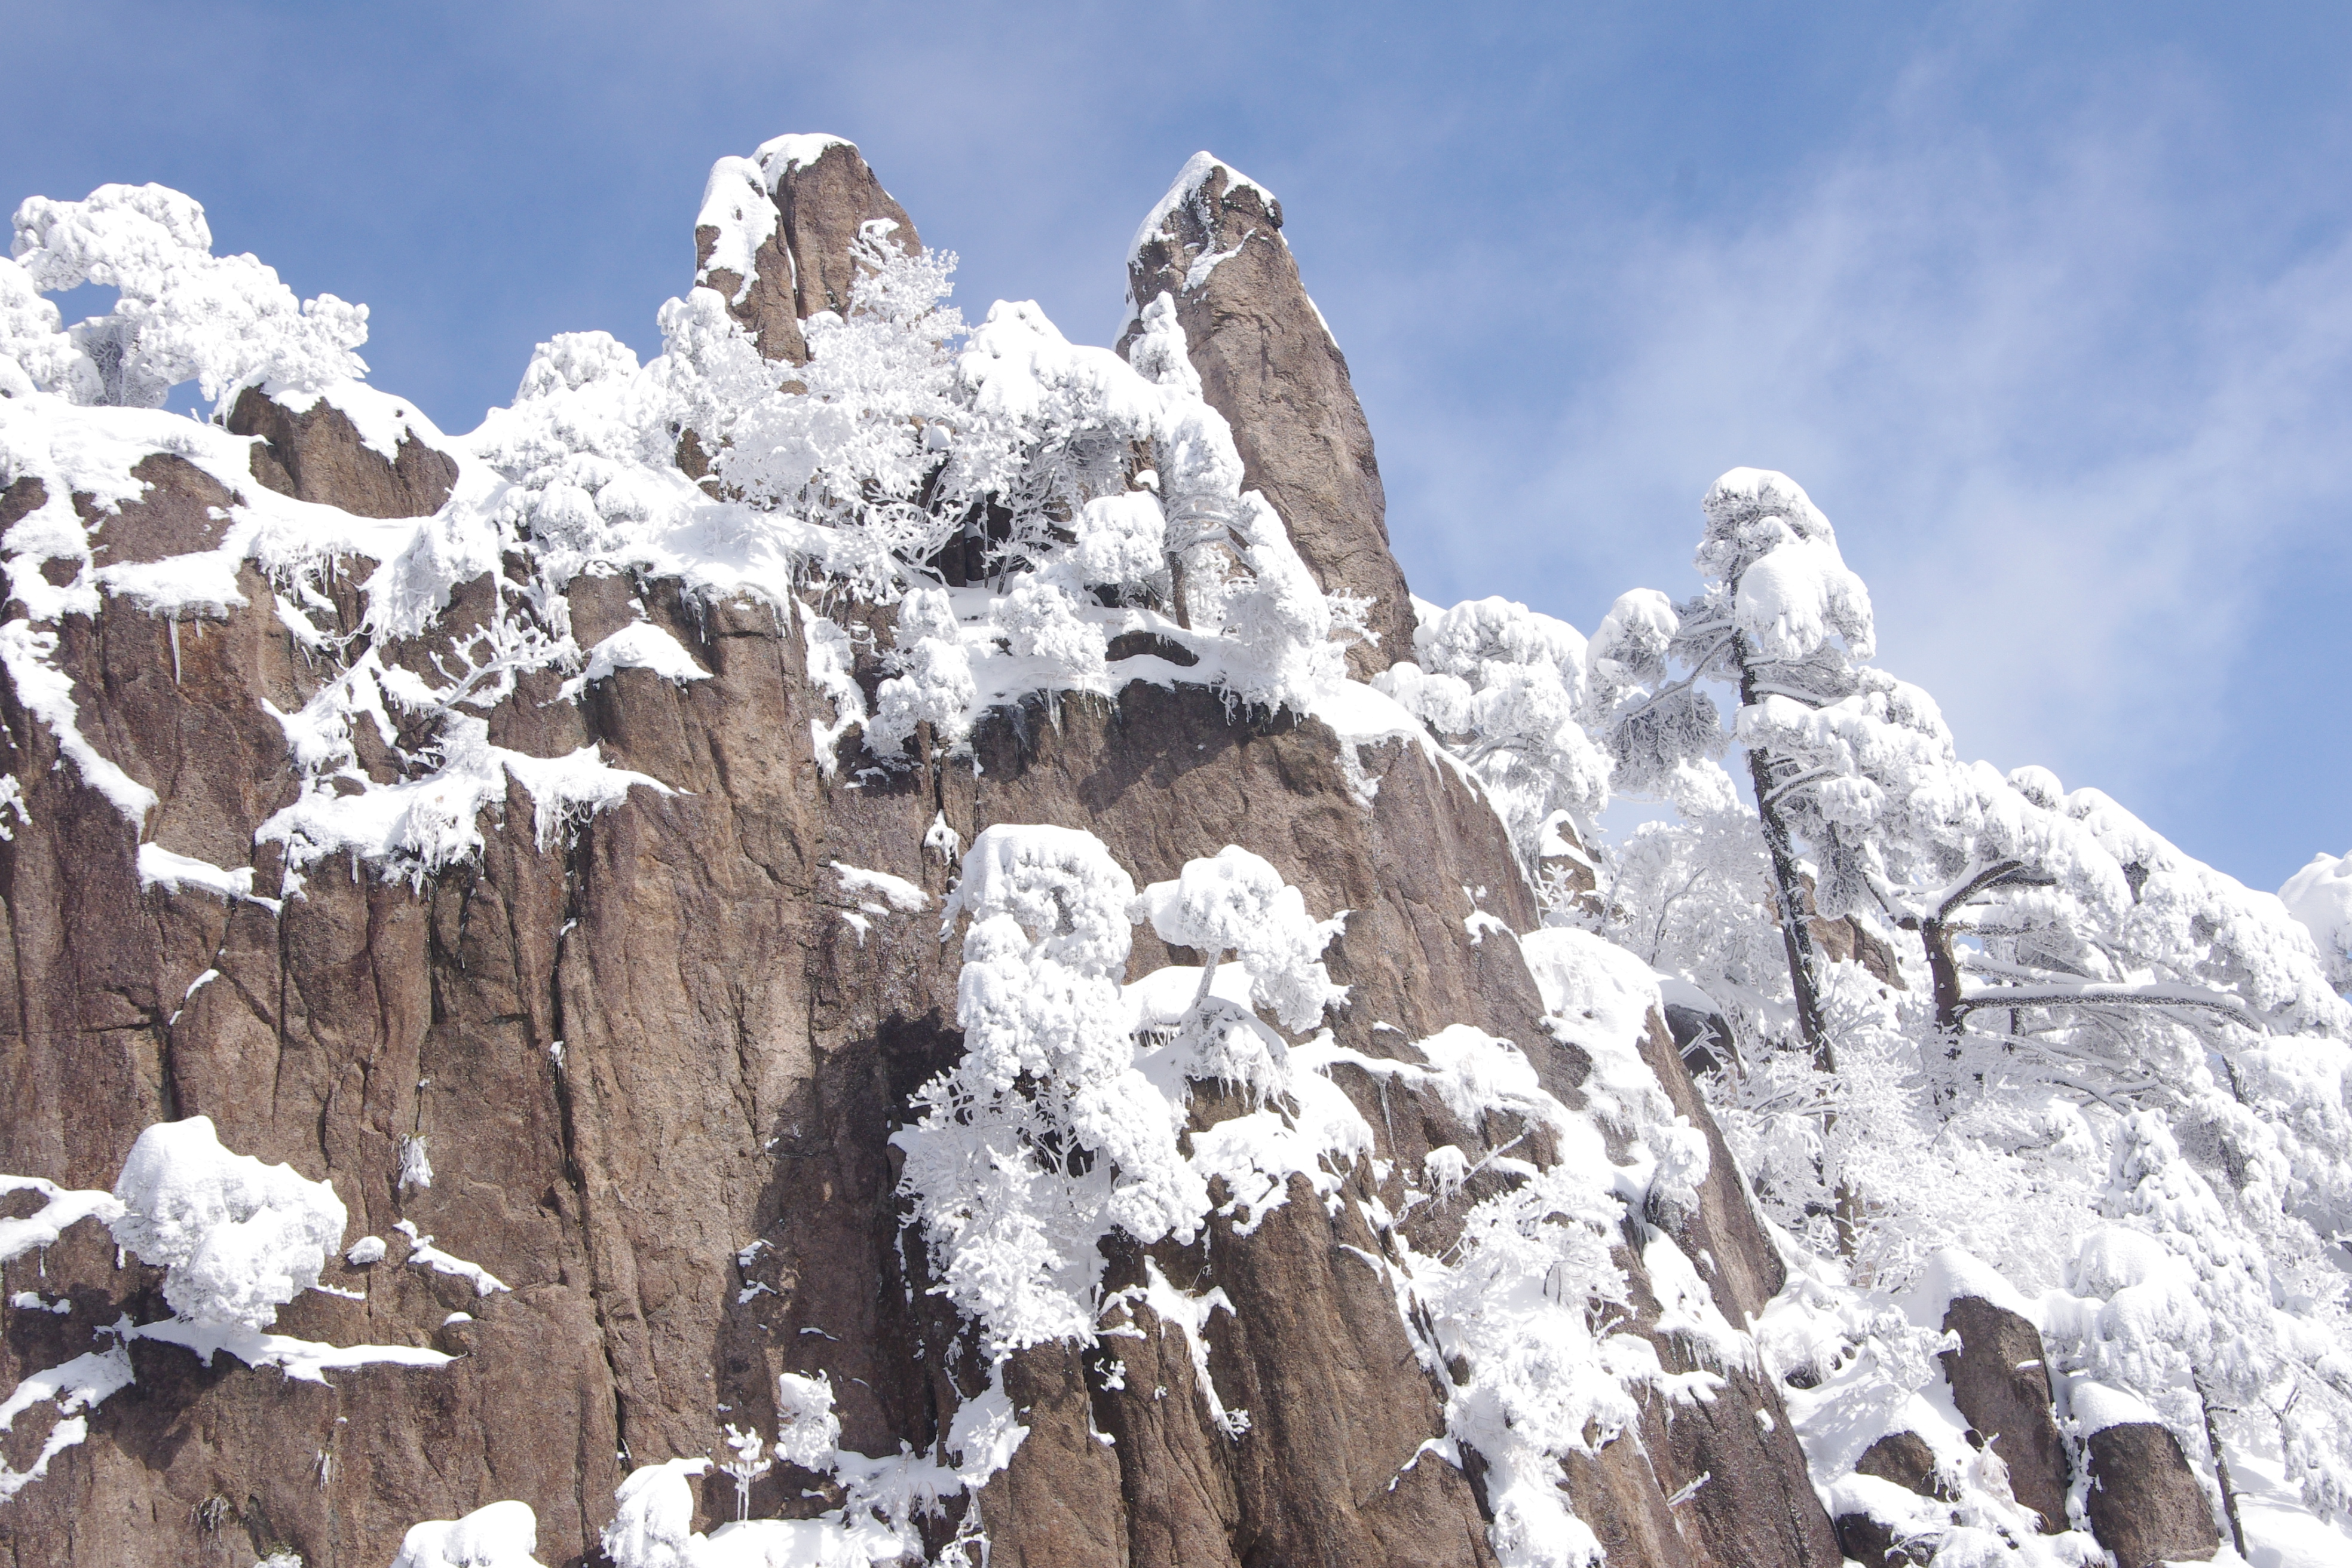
{"x":316,"y":455}
{"x":657,"y":1055}
{"x":2002,"y":1389}
{"x":2145,"y":1505}
{"x":1872,"y":1542}
{"x":1270,"y":366}
{"x":1904,"y":1459}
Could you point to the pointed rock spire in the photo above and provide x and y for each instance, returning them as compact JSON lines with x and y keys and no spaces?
{"x":775,"y":232}
{"x":1270,"y":365}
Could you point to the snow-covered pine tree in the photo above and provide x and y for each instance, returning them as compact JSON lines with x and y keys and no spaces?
{"x":1506,"y":687}
{"x":1782,"y":620}
{"x":2090,"y":985}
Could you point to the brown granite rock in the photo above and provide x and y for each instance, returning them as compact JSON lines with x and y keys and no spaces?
{"x":806,"y":266}
{"x":1904,"y":1459}
{"x":825,"y":204}
{"x":183,"y":510}
{"x":765,"y":303}
{"x":1871,"y":1542}
{"x":21,"y":498}
{"x":2145,"y":1505}
{"x":656,"y":1070}
{"x":2002,"y":1388}
{"x":1271,"y":367}
{"x":316,"y":455}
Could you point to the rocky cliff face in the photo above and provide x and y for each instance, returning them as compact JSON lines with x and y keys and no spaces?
{"x":615,"y":1077}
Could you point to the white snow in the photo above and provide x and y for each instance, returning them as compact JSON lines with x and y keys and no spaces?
{"x":2095,"y":1406}
{"x":830,"y":661}
{"x":497,"y":1535}
{"x":306,"y":1360}
{"x":162,"y":868}
{"x":65,"y":1206}
{"x":1189,"y":1315}
{"x":1794,"y":598}
{"x":424,"y":825}
{"x":74,"y":1388}
{"x":422,"y":1254}
{"x":1236,"y":902}
{"x":2320,"y":896}
{"x":780,"y":155}
{"x":638,"y":645}
{"x":415,"y":1164}
{"x":47,"y":693}
{"x":654,"y":1528}
{"x":238,"y":1239}
{"x":737,"y":202}
{"x":896,"y":892}
{"x":1189,"y":180}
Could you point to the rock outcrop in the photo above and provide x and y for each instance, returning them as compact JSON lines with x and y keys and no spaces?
{"x":2001,"y":1383}
{"x":2145,"y":1504}
{"x":317,"y":453}
{"x":643,"y":1063}
{"x":1270,"y":365}
{"x":1903,"y":1459}
{"x":823,"y":194}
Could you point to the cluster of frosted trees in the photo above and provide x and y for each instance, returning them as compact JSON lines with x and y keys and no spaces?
{"x":2071,"y":1031}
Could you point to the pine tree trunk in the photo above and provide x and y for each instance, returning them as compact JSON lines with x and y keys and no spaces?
{"x":1796,"y":941}
{"x":1788,"y":899}
{"x":1944,"y":972}
{"x":2221,"y":1467}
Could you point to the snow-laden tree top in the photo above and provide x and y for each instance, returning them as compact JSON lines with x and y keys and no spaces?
{"x":2320,"y":896}
{"x":238,"y":1239}
{"x":182,"y":314}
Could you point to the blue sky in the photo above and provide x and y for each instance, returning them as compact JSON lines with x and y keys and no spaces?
{"x":2050,"y":306}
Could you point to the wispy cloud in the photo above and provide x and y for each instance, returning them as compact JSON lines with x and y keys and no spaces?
{"x":2076,"y":417}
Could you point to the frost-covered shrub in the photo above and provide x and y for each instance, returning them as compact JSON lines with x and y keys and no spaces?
{"x":808,"y":1431}
{"x":1049,"y":1133}
{"x":1042,"y":623}
{"x":1044,"y":1131}
{"x":2105,"y":1063}
{"x":868,"y":436}
{"x":933,"y":683}
{"x":1506,"y":687}
{"x":2182,"y":1308}
{"x":35,"y":354}
{"x":653,"y":1521}
{"x":653,"y":1527}
{"x":237,"y":1238}
{"x":1525,"y":1305}
{"x":2320,"y":896}
{"x":1072,"y":477}
{"x":182,"y":314}
{"x":499,"y":1535}
{"x":1237,"y":902}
